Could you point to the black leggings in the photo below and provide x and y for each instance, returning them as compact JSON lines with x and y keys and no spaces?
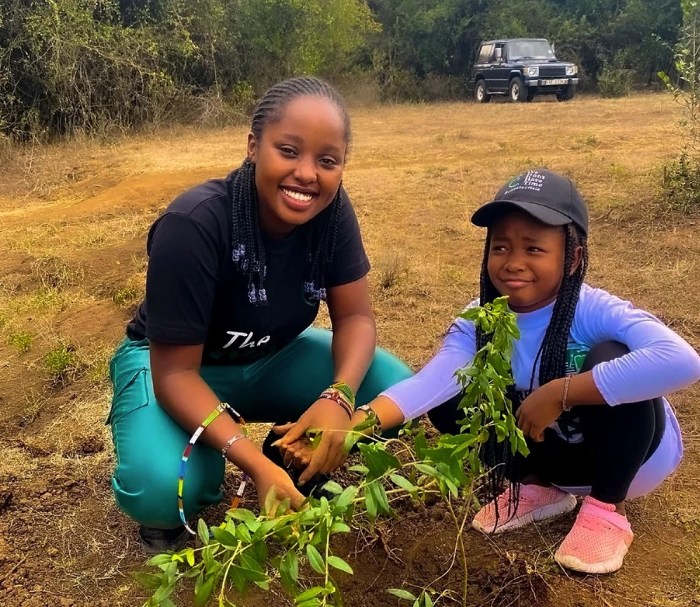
{"x":616,"y":440}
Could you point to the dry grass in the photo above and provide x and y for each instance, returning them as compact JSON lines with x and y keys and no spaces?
{"x":72,"y":262}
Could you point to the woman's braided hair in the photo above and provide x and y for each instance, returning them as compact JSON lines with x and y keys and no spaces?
{"x":248,"y":252}
{"x":503,"y":465}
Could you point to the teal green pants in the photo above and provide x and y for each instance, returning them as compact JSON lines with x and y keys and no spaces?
{"x":148,"y":443}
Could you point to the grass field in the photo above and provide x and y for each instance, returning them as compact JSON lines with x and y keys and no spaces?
{"x":72,"y":261}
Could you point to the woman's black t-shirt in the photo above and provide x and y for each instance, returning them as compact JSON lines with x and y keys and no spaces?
{"x":194,"y":294}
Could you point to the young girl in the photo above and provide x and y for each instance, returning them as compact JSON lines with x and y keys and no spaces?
{"x":237,"y":268}
{"x":590,"y":371}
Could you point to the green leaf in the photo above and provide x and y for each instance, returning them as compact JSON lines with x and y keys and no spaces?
{"x":310,"y":603}
{"x":203,"y":594}
{"x":404,"y":484}
{"x":250,"y":574}
{"x":402,"y":594}
{"x":377,"y":459}
{"x":308,"y":594}
{"x":163,"y":593}
{"x":239,"y":579}
{"x":243,"y":534}
{"x":358,"y":468}
{"x":339,"y":564}
{"x":346,"y":497}
{"x":340,"y":527}
{"x":224,"y":537}
{"x":189,"y":555}
{"x":315,"y":559}
{"x":333,"y":487}
{"x":151,"y":581}
{"x":289,"y":570}
{"x":428,"y":470}
{"x":241,"y":514}
{"x":160,"y":559}
{"x":203,"y":531}
{"x":379,"y":497}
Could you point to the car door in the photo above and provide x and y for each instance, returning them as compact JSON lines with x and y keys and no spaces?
{"x":481,"y":65}
{"x":499,"y":70}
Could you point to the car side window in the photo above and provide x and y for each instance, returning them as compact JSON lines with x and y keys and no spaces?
{"x":502,"y":49}
{"x":485,"y":53}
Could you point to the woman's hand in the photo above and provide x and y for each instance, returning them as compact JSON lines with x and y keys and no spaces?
{"x":539,"y":410}
{"x":271,"y":478}
{"x":327,"y":417}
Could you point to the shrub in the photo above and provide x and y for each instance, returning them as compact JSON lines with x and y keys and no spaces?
{"x":681,"y":183}
{"x":615,"y":82}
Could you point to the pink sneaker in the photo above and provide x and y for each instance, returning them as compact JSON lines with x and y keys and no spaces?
{"x":598,"y":541}
{"x":536,"y":504}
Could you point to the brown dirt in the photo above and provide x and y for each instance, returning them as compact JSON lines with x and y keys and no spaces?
{"x":72,"y":263}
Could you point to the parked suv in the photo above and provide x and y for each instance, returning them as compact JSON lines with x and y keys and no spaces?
{"x":521,"y":68}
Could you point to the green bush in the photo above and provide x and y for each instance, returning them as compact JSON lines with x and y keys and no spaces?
{"x":615,"y":82}
{"x":681,"y":184}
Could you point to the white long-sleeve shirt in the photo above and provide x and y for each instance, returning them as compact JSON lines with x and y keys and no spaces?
{"x":659,"y":362}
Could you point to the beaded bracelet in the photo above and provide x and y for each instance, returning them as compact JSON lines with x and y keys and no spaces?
{"x":221,"y":407}
{"x":345,"y":390}
{"x":338,"y":397}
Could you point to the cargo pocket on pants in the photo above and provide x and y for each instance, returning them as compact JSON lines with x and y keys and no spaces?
{"x":132,"y":395}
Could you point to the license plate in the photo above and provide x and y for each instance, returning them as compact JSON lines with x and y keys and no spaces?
{"x":555,"y":81}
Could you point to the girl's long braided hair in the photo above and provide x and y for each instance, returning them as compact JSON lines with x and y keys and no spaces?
{"x":248,"y":249}
{"x":503,"y":465}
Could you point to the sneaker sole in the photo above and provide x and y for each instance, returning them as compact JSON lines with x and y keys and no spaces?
{"x":566,"y":504}
{"x":575,"y":564}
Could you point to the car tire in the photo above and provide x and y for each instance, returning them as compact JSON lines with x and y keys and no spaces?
{"x":567,"y":94}
{"x":517,"y":91}
{"x":480,"y":93}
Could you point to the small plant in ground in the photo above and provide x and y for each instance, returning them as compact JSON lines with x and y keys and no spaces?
{"x":127,"y":296}
{"x":391,"y":266}
{"x":294,"y":548}
{"x":21,"y":340}
{"x":63,"y":364}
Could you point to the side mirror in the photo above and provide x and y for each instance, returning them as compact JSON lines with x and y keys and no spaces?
{"x":499,"y":54}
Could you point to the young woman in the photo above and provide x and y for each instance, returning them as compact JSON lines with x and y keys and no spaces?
{"x":590,"y":374}
{"x":237,"y":269}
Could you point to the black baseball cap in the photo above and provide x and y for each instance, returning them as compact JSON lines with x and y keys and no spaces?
{"x":549,"y":197}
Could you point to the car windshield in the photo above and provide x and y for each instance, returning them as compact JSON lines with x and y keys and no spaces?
{"x":530,"y":49}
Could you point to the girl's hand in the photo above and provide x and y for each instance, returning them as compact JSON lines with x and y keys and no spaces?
{"x":539,"y":410}
{"x":329,"y":418}
{"x":271,"y":478}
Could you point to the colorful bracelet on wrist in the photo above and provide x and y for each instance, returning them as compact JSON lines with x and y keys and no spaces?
{"x":338,"y":398}
{"x":345,"y":390}
{"x":221,"y":407}
{"x":342,"y":394}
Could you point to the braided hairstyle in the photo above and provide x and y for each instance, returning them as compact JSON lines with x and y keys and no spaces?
{"x":248,"y":249}
{"x":503,"y":465}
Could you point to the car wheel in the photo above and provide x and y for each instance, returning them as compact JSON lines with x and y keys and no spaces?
{"x":480,"y":94}
{"x":517,"y":90}
{"x":567,"y":94}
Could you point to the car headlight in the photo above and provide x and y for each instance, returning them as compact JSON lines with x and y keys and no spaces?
{"x":571,"y":70}
{"x":533,"y":72}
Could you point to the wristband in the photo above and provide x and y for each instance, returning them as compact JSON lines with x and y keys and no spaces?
{"x":221,"y":407}
{"x":230,"y":442}
{"x":372,"y":415}
{"x":564,"y":405}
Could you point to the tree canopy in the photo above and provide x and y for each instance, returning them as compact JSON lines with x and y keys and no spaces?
{"x":68,"y":65}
